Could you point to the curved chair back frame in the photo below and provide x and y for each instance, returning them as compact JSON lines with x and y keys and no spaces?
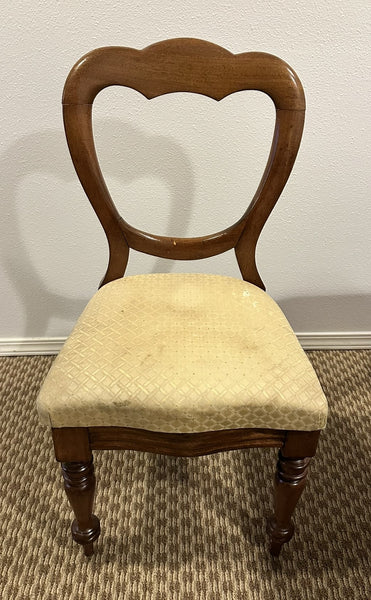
{"x":200,"y":67}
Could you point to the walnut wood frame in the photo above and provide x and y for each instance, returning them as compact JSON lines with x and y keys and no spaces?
{"x":193,"y":66}
{"x":203,"y":68}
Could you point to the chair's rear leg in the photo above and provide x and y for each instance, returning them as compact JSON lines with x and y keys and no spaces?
{"x":289,"y":483}
{"x":79,"y":483}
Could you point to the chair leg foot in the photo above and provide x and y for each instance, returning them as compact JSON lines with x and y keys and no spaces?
{"x":288,"y":486}
{"x":88,"y":549}
{"x":278,"y":535}
{"x":79,"y":483}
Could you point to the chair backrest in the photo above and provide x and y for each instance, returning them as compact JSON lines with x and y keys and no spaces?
{"x":183,"y":65}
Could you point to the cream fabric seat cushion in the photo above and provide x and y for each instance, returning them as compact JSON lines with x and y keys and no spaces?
{"x":182,"y":353}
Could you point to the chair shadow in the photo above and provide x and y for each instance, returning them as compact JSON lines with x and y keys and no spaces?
{"x":44,"y":153}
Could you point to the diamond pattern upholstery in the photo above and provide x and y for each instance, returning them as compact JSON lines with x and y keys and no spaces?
{"x":182,"y":353}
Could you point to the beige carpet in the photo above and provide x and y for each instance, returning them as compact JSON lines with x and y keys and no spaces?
{"x":187,"y":529}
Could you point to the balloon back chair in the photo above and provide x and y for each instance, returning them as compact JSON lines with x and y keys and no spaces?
{"x":182,"y":364}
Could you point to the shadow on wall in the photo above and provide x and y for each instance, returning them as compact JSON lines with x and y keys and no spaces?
{"x":138,"y":155}
{"x":328,"y":313}
{"x":43,"y":152}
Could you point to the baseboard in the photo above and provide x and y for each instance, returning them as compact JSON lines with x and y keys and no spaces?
{"x":30,"y":346}
{"x":321,"y":340}
{"x":335,"y":340}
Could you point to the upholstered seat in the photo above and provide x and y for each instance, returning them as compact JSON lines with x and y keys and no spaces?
{"x":182,"y":353}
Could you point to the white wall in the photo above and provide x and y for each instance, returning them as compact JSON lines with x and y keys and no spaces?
{"x":172,"y":169}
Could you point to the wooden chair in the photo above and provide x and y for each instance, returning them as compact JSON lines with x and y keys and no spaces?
{"x":178,"y":364}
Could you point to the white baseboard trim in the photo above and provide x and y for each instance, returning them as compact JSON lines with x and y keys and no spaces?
{"x":335,"y":340}
{"x":321,"y":340}
{"x":30,"y":346}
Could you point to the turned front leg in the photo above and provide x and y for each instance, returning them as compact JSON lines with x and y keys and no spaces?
{"x":288,"y":486}
{"x":79,"y":483}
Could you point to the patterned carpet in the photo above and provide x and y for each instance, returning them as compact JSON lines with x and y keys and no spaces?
{"x":187,"y":529}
